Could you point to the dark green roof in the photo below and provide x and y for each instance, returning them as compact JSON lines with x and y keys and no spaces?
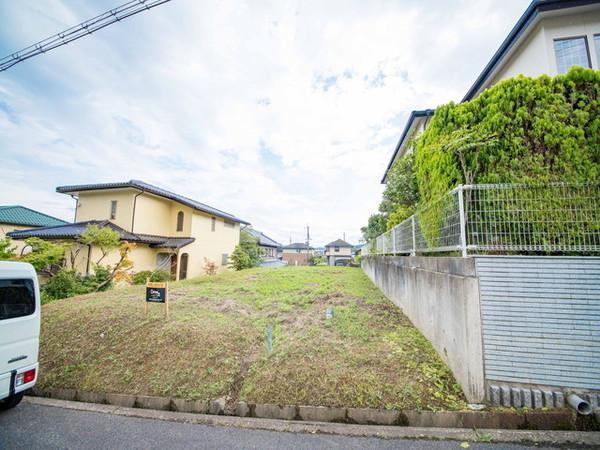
{"x":19,"y":215}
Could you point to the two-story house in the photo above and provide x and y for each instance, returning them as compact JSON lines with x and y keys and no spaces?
{"x":171,"y":232}
{"x":338,"y":253}
{"x":550,"y":37}
{"x":297,"y":254}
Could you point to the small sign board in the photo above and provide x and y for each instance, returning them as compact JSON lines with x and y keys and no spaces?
{"x":156,"y":292}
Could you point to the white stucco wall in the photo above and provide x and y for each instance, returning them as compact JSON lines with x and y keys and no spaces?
{"x":535,"y":55}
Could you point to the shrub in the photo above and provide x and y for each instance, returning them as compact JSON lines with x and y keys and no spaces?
{"x":522,"y":130}
{"x":209,"y":267}
{"x":239,"y":259}
{"x":249,"y":244}
{"x":153,"y":275}
{"x":7,"y":250}
{"x":65,"y":283}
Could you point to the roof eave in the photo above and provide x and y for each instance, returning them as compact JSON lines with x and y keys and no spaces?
{"x":76,"y":189}
{"x":411,"y":119}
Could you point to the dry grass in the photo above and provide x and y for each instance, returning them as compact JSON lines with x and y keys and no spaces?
{"x":368,"y":355}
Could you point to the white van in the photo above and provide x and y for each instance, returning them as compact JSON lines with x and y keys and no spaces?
{"x":19,"y":331}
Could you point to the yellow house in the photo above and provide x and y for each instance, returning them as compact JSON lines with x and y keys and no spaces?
{"x":17,"y":217}
{"x":171,"y":232}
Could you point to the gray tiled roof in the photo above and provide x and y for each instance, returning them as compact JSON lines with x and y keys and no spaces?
{"x":338,"y":243}
{"x":74,"y":230}
{"x":143,"y":186}
{"x":297,"y":245}
{"x":263,"y":239}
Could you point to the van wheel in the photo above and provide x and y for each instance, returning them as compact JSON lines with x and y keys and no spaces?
{"x":11,"y":402}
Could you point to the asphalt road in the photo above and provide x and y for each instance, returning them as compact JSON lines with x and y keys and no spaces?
{"x":35,"y":426}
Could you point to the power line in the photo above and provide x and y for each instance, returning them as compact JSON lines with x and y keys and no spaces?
{"x":78,"y":31}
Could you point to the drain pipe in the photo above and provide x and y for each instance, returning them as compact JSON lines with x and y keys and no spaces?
{"x":578,"y":404}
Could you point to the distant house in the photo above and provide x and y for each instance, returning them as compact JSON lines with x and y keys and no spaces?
{"x":172,"y":232}
{"x":16,"y":217}
{"x":550,"y":37}
{"x":297,"y":254}
{"x":338,"y":253}
{"x":267,"y":246}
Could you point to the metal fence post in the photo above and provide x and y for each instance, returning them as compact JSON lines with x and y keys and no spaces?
{"x":413,"y":252}
{"x":461,"y":213}
{"x":394,"y":240}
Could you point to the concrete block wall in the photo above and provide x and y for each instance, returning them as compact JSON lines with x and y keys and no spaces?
{"x":513,"y":327}
{"x":441,"y":298}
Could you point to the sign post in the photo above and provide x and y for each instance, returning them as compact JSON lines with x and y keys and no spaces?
{"x":157,"y":293}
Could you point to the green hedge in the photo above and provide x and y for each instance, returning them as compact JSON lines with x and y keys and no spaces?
{"x":522,"y":130}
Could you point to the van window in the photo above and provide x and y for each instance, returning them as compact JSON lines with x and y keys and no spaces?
{"x":17,"y":298}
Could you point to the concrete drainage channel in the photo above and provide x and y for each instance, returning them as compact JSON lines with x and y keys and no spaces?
{"x":558,"y":419}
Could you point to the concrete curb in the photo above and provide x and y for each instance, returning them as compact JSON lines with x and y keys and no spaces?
{"x":565,"y":419}
{"x":385,"y":432}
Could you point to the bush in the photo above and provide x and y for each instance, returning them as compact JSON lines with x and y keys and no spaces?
{"x":65,"y":283}
{"x":522,"y":130}
{"x":153,"y":275}
{"x":209,"y":267}
{"x":249,"y":245}
{"x":7,"y":250}
{"x":239,"y":259}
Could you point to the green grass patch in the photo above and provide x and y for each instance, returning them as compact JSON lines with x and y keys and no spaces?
{"x":367,"y":355}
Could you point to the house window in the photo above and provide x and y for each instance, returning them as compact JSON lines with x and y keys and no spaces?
{"x":229,"y":223}
{"x":113,"y":209}
{"x":297,"y":250}
{"x":571,"y":52}
{"x":336,"y":249}
{"x":213,"y":223}
{"x":180,"y":221}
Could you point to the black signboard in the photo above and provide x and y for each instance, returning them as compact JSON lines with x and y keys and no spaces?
{"x":156,"y":292}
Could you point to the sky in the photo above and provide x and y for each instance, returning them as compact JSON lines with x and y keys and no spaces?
{"x":284,"y":113}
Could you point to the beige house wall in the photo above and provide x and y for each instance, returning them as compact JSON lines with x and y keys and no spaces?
{"x":7,"y":228}
{"x":536,"y":56}
{"x":95,"y":205}
{"x":143,"y":257}
{"x":209,"y":244}
{"x":344,"y":251}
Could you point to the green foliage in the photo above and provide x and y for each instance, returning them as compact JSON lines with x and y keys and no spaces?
{"x":105,"y":238}
{"x":317,"y":260}
{"x":401,"y":193}
{"x":65,"y":283}
{"x":44,"y":254}
{"x":375,"y":226}
{"x":7,"y":250}
{"x":522,"y":130}
{"x":249,"y":244}
{"x":239,"y":259}
{"x":153,"y":275}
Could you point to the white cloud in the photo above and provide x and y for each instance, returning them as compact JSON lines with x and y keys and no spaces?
{"x":185,"y":96}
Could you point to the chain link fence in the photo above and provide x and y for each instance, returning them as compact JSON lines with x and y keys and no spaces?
{"x":488,"y":218}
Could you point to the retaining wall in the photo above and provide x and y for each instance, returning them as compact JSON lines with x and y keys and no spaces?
{"x":516,"y":324}
{"x":441,"y":298}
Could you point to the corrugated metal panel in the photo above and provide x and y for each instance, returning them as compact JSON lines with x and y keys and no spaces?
{"x":541,"y":319}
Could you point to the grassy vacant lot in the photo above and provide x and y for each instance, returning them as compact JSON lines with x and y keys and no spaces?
{"x":367,"y":355}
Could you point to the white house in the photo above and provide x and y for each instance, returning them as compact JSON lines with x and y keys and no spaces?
{"x":550,"y":37}
{"x":338,"y":252}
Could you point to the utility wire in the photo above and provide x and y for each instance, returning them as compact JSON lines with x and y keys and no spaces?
{"x":78,"y":31}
